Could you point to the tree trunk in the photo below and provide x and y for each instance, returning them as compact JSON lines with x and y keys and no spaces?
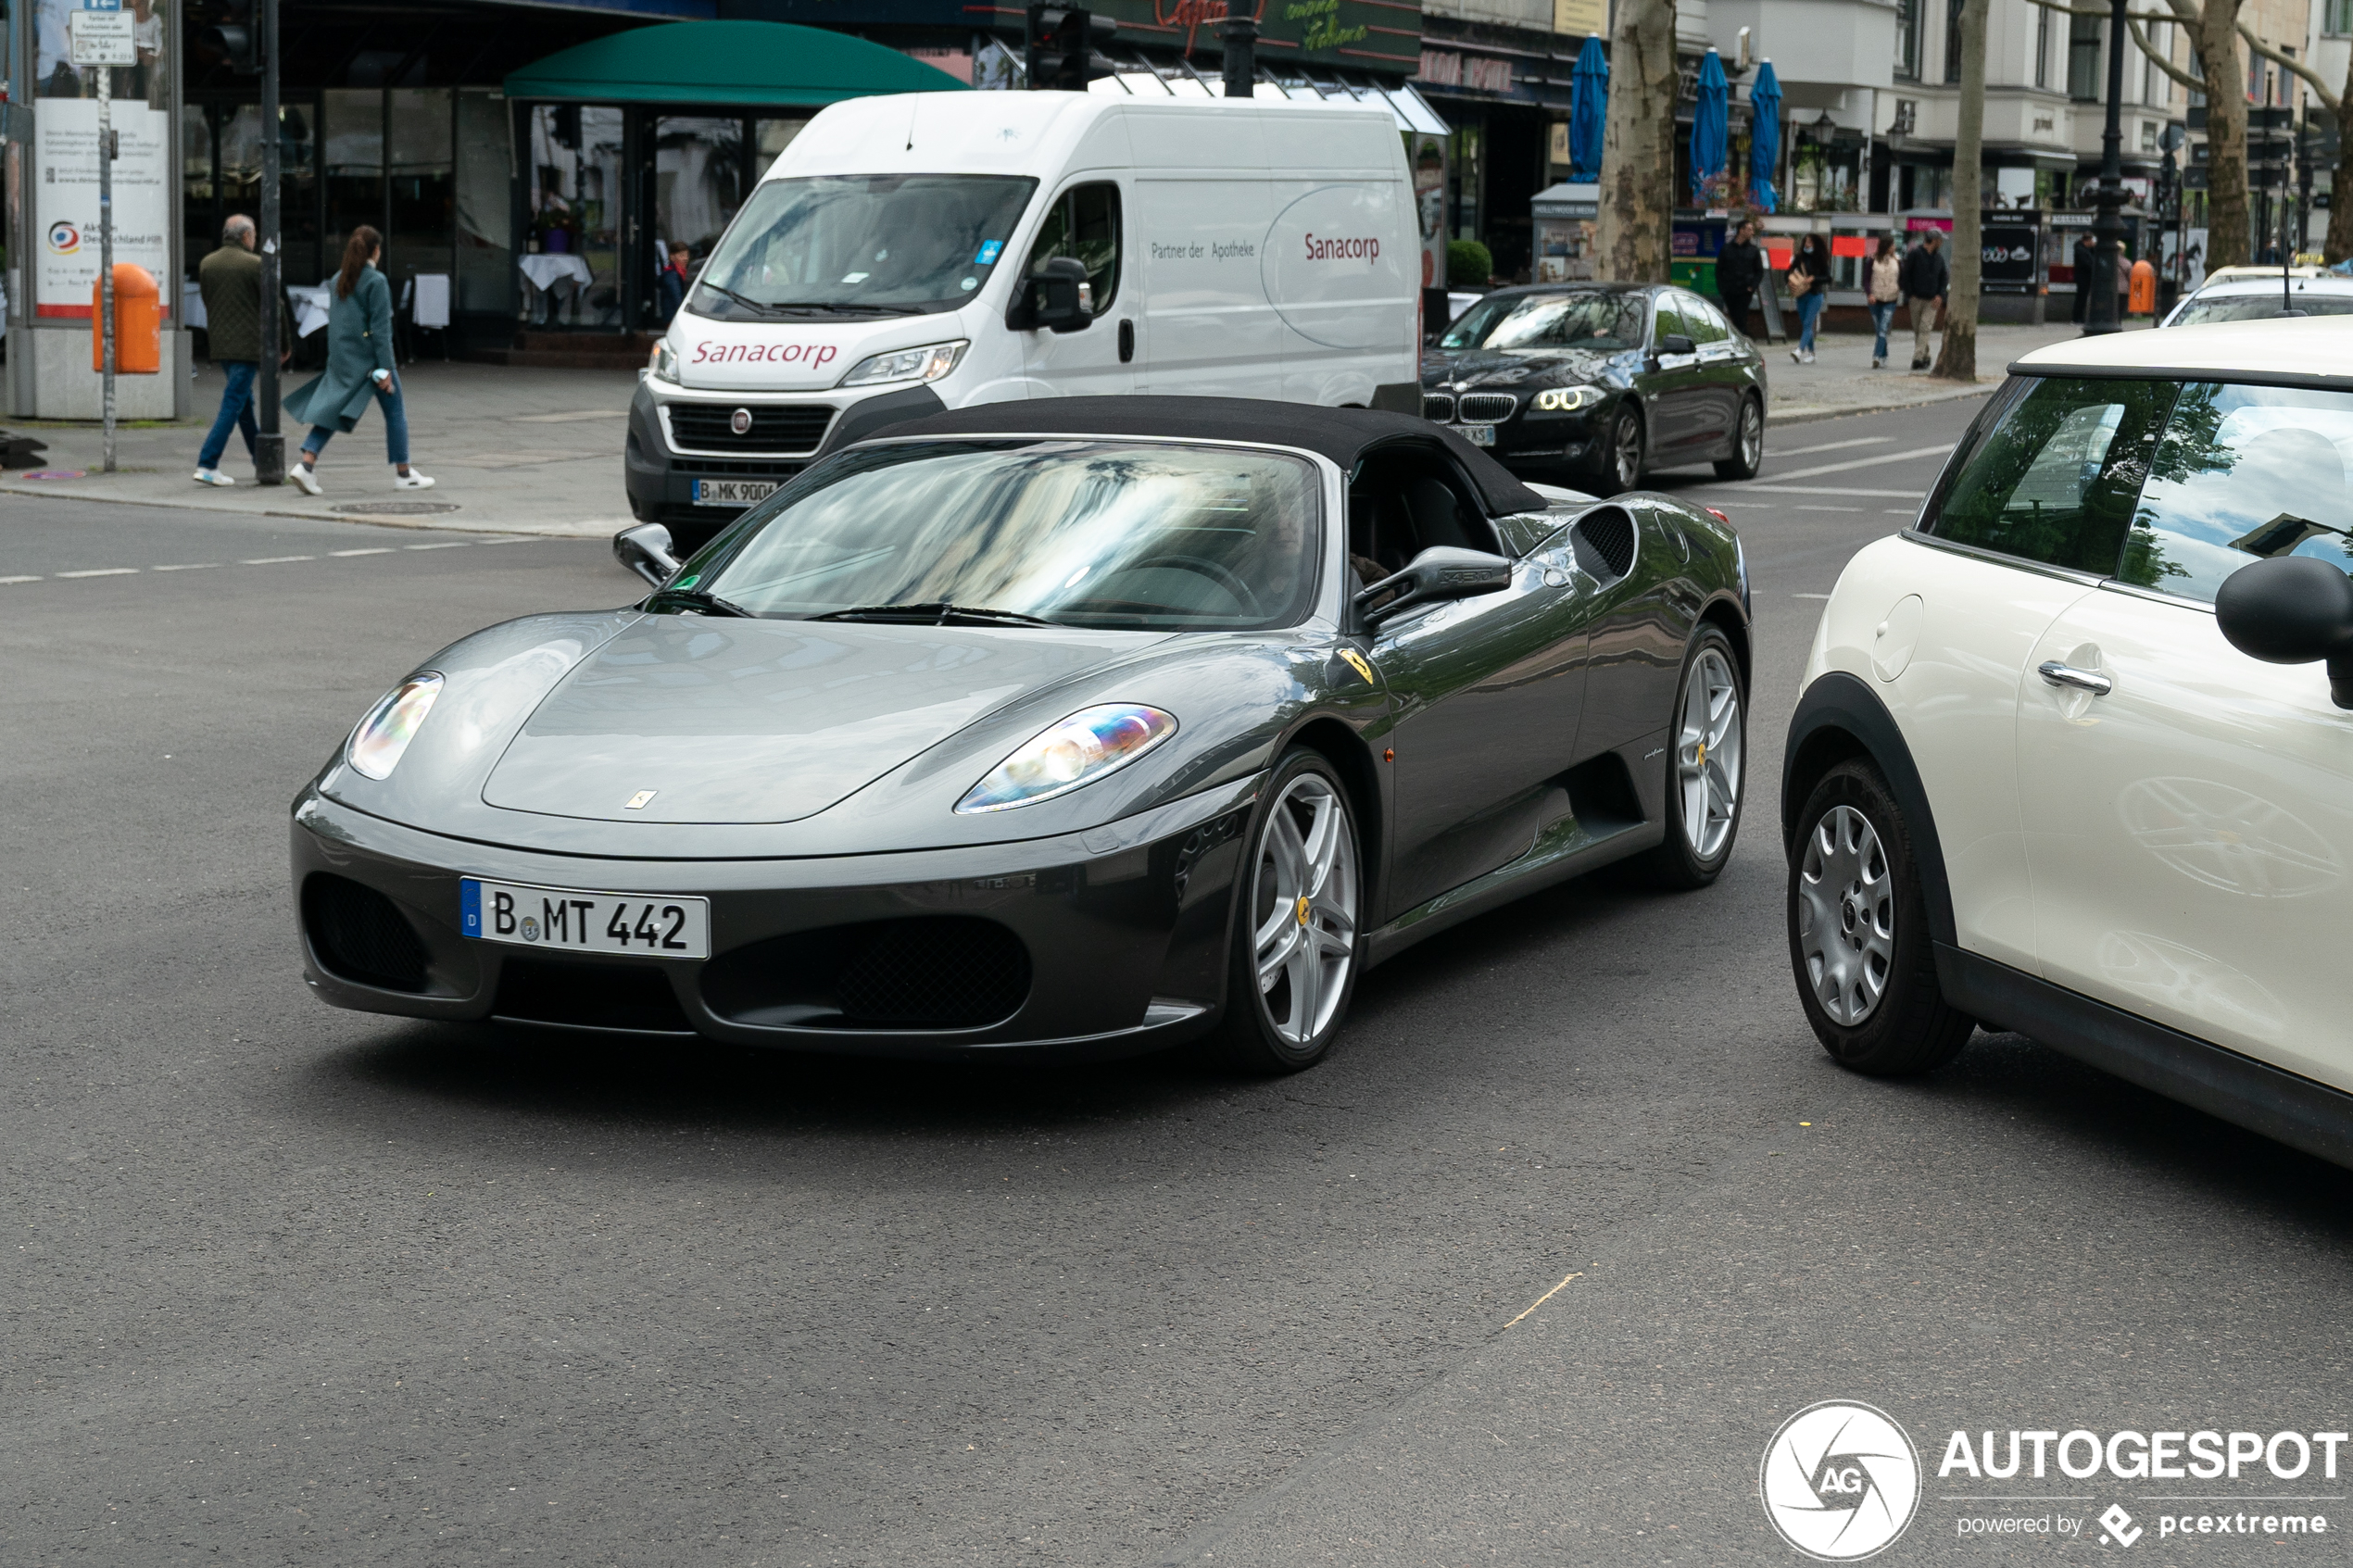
{"x":1959,"y":359}
{"x":2339,"y":244}
{"x":1638,"y":144}
{"x":2214,"y":27}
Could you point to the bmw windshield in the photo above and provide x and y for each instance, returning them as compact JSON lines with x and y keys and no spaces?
{"x":1588,"y":318}
{"x":1111,"y":534}
{"x":880,"y":244}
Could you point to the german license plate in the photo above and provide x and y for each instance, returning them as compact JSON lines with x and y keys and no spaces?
{"x":733,"y":491}
{"x":1480,"y":436}
{"x":655,"y":924}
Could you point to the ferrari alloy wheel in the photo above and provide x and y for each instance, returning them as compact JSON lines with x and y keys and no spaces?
{"x":1706,"y":769}
{"x":1296,"y":934}
{"x":1626,"y":450}
{"x":1858,"y":940}
{"x":1748,"y":444}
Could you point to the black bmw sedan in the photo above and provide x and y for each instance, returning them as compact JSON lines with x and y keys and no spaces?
{"x":1592,"y":384}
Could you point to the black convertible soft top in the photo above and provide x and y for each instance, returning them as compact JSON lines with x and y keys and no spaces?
{"x":1342,"y":434}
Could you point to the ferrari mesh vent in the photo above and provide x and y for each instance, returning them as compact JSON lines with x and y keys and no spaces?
{"x":360,"y":936}
{"x":1488,"y":407}
{"x":1437,"y":405}
{"x":940,"y":972}
{"x":1605,"y":541}
{"x":710,"y":427}
{"x":589,"y":996}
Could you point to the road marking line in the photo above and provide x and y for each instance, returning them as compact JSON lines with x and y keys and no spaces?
{"x":1866,"y":462}
{"x":1546,"y":1296}
{"x":1813,"y":490}
{"x":275,"y":560}
{"x":1895,"y":512}
{"x":103,"y":571}
{"x":191,"y":566}
{"x":1836,"y":446}
{"x":19,"y":579}
{"x":452,"y":545}
{"x":379,"y":550}
{"x":1809,"y":595}
{"x":1826,"y":509}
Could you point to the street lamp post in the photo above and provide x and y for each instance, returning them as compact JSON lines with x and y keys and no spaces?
{"x":269,"y":445}
{"x":2107,"y":229}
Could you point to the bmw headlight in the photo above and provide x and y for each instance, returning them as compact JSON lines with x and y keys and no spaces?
{"x":927,"y":363}
{"x":664,"y":364}
{"x":376,"y":746}
{"x":1079,"y":750}
{"x":1567,"y":399}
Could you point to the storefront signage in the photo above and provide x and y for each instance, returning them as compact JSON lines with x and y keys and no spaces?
{"x":65,"y":169}
{"x":1579,"y":18}
{"x":2007,"y":262}
{"x":1366,"y":35}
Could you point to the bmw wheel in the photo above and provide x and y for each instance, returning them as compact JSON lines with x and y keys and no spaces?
{"x":1858,"y":940}
{"x":1295,"y":932}
{"x":1706,"y":769}
{"x":1748,"y":444}
{"x":1621,"y":464}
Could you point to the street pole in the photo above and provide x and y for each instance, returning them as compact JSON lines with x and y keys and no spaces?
{"x":2107,"y":229}
{"x":1239,"y":31}
{"x":270,"y":446}
{"x":105,"y":255}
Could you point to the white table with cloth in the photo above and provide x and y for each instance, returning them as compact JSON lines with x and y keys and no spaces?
{"x":555,"y":275}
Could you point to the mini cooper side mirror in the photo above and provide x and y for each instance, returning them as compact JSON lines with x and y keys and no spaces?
{"x":646,"y":550}
{"x":1440,"y":573}
{"x":1055,"y":298}
{"x":2292,"y":609}
{"x":1676,"y":343}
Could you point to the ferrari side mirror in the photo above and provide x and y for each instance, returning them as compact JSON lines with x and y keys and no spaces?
{"x":646,"y":550}
{"x":2292,"y":609}
{"x":1440,"y":573}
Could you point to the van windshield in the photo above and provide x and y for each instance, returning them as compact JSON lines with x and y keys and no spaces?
{"x":896,"y":244}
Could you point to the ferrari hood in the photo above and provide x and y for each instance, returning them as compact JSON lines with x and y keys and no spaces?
{"x":688,"y":718}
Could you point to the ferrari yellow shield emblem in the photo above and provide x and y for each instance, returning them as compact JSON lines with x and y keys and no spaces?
{"x":1357,"y":662}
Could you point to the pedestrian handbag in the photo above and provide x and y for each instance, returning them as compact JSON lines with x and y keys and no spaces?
{"x":1801,"y":281}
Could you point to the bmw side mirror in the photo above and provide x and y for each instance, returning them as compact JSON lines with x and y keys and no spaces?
{"x":646,"y":550}
{"x":1439,"y":573}
{"x":1676,"y":343}
{"x":1055,"y":298}
{"x":2292,"y":609}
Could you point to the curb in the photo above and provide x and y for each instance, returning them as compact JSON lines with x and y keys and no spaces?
{"x":1806,"y":413}
{"x":443,"y":522}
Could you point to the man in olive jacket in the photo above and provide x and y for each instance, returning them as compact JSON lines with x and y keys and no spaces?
{"x":231,"y":280}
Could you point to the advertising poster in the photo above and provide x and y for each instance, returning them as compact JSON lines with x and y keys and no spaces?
{"x":65,"y":200}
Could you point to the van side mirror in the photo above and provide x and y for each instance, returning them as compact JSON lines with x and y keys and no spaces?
{"x":2292,"y":609}
{"x":646,"y":550}
{"x":1440,"y":573}
{"x":1055,"y":298}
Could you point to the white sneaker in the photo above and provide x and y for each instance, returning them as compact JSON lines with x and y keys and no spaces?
{"x":214,"y":476}
{"x":305,"y":481}
{"x":1797,"y":355}
{"x":412,"y":480}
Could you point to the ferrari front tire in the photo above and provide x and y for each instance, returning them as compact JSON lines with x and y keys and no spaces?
{"x":1858,"y":938}
{"x":1295,"y":936}
{"x":1706,"y":769}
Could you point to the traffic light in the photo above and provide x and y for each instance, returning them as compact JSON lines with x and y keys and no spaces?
{"x":238,"y":36}
{"x":1060,"y":47}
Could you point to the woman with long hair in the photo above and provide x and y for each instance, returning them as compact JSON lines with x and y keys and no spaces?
{"x":358,"y":366}
{"x":1809,"y":283}
{"x":1883,"y":289}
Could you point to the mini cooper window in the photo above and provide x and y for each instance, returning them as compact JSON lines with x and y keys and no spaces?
{"x":1588,"y":318}
{"x":1100,"y":533}
{"x":2054,"y":479}
{"x":2241,"y":472}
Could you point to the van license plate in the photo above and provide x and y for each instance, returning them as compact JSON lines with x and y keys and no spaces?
{"x":732,"y":492}
{"x":1480,"y":436}
{"x":666,"y":925}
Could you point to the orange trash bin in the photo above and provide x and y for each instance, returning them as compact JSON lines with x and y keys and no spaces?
{"x":138,"y":323}
{"x":2144,"y":295}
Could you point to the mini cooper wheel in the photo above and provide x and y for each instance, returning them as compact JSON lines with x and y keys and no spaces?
{"x":1295,"y":931}
{"x":1858,"y":940}
{"x":1621,"y":461}
{"x":1748,"y":444}
{"x":1706,"y":769}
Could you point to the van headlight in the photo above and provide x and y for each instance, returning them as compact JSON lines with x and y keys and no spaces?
{"x":927,"y":363}
{"x":1079,"y":750}
{"x":1567,"y":399}
{"x":376,"y":746}
{"x":664,"y":364}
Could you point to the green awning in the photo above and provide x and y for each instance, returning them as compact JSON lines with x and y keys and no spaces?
{"x":726,"y":62}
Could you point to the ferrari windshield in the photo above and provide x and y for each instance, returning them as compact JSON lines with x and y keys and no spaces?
{"x":862,"y":243}
{"x":1116,"y":534}
{"x":1584,"y":319}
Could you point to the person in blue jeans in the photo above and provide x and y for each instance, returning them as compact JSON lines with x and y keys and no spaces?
{"x":1883,"y":288}
{"x":231,"y":280}
{"x":1809,"y":283}
{"x":359,"y":365}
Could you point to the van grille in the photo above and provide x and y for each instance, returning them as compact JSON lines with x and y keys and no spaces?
{"x":776,"y":429}
{"x":360,"y":935}
{"x":1488,"y":407}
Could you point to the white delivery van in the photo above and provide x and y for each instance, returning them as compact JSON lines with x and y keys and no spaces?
{"x":927,"y":251}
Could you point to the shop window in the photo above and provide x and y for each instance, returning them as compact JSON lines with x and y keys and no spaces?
{"x":422,"y":180}
{"x":351,"y":124}
{"x":771,"y":137}
{"x":1084,"y":223}
{"x":575,"y":211}
{"x":481,"y":193}
{"x":698,"y":181}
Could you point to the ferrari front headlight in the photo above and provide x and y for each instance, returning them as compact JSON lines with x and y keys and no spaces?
{"x":1567,"y":399}
{"x":927,"y":363}
{"x":376,"y":746}
{"x":1078,"y":750}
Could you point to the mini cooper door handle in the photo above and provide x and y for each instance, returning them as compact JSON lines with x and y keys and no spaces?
{"x":2091,"y":681}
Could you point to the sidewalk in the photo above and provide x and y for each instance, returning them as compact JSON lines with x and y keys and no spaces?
{"x":532,"y":450}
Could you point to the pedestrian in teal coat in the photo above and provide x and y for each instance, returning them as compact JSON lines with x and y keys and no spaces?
{"x":358,"y":366}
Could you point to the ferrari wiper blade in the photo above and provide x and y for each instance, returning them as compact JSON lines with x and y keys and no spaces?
{"x":938,"y":613}
{"x":695,"y":599}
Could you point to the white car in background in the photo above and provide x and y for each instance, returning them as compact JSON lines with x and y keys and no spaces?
{"x":2074,"y":753}
{"x":2247,"y":295}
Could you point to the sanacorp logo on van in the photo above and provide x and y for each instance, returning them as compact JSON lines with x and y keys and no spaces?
{"x":809,"y":354}
{"x":1330,"y":279}
{"x":1355,"y":247}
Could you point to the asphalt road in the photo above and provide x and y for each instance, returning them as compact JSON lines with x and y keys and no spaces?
{"x":1531,"y":1269}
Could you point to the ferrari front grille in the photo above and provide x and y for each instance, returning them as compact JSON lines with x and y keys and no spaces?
{"x":360,"y":935}
{"x":938,"y":972}
{"x":589,"y":996}
{"x":1488,"y":407}
{"x":1437,"y":405}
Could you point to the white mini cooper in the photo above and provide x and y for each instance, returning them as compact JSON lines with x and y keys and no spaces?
{"x":2074,"y":756}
